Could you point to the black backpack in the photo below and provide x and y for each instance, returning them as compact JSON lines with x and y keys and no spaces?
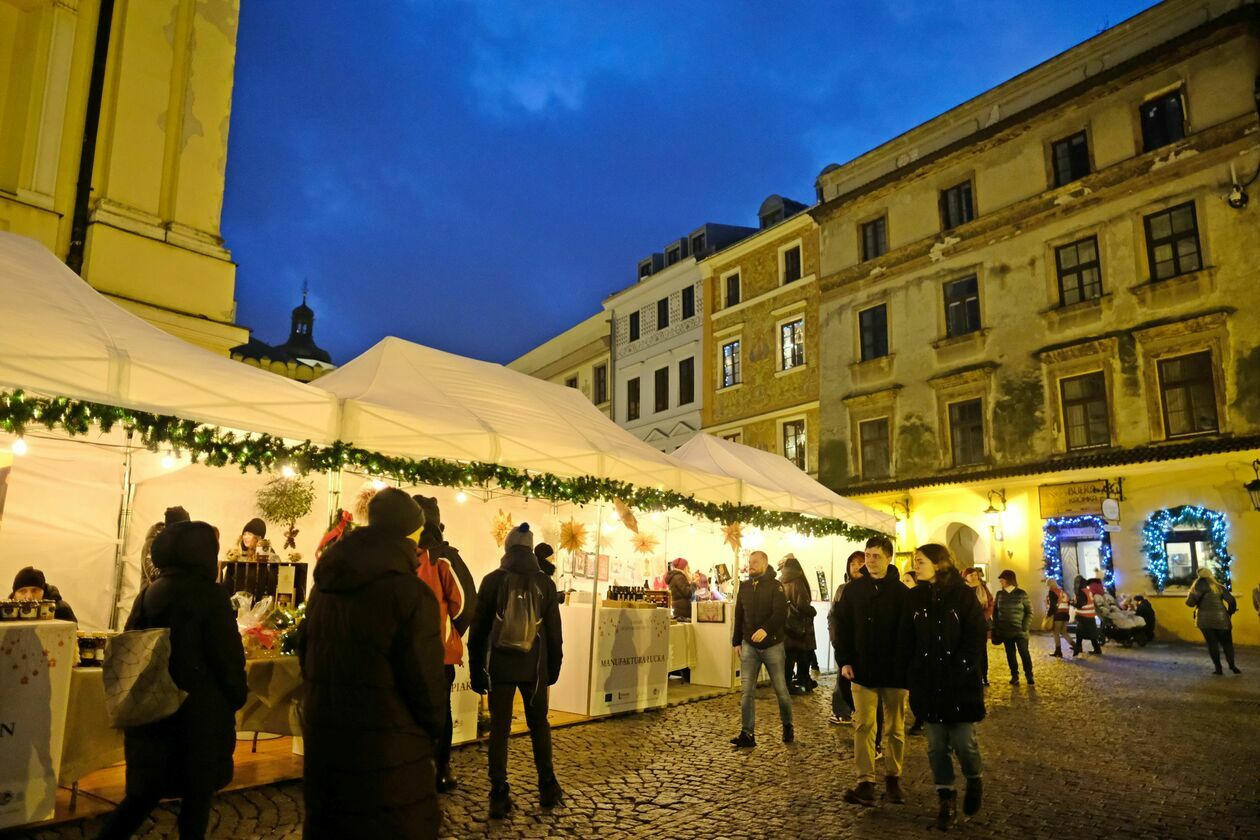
{"x":519,"y":617}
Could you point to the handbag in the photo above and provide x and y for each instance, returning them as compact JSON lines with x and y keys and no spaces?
{"x":138,"y":684}
{"x":1047,"y":623}
{"x":997,"y":638}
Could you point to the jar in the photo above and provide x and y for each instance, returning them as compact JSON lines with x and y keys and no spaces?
{"x":47,"y":610}
{"x":28,"y":610}
{"x":8,"y":610}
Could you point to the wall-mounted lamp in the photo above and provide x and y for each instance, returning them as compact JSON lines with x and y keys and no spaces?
{"x":993,"y":513}
{"x":901,"y":510}
{"x":1253,"y":487}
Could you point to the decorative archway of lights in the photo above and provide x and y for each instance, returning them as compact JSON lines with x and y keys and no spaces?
{"x":1161,"y":523}
{"x":1054,"y":560}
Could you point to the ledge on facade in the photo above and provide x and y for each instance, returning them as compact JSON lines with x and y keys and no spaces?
{"x":1176,"y":290}
{"x":1094,"y":459}
{"x":888,"y":391}
{"x":970,"y":341}
{"x":1135,"y":329}
{"x":1078,"y":314}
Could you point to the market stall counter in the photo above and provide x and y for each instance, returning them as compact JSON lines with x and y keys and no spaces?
{"x":625,"y":670}
{"x":716,"y":662}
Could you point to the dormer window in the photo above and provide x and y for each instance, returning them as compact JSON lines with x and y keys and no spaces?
{"x":673,"y":254}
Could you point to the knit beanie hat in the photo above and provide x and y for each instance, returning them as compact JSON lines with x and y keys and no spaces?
{"x":30,"y":576}
{"x":678,"y":563}
{"x":520,"y":535}
{"x":392,"y":510}
{"x":254,"y":526}
{"x":176,"y":514}
{"x":542,"y":551}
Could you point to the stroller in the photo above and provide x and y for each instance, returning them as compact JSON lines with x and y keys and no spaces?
{"x":1120,"y":626}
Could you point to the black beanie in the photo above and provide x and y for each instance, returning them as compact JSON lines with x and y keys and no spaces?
{"x":542,"y":551}
{"x":178,"y":514}
{"x":30,"y":576}
{"x":392,"y":510}
{"x":432,"y":520}
{"x":255,"y":526}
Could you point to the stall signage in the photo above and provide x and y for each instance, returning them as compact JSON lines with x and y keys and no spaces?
{"x":1075,"y":499}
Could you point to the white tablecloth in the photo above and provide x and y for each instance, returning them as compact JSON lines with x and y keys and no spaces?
{"x":682,"y":646}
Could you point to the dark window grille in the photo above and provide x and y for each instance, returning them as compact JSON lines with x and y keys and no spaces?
{"x":956,"y":206}
{"x":876,"y":460}
{"x":1163,"y":121}
{"x":1172,"y":242}
{"x":962,"y":306}
{"x":1079,"y":271}
{"x":1085,"y":416}
{"x":966,"y":432}
{"x":873,"y":329}
{"x":875,"y":238}
{"x":1188,"y":394}
{"x":1071,"y":159}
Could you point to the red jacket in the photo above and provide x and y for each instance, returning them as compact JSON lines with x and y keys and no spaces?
{"x":450,"y":595}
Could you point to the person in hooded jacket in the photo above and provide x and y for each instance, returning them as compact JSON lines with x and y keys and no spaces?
{"x":1214,"y":605}
{"x":799,"y":627}
{"x":189,"y":754}
{"x":501,"y":672}
{"x":29,"y":584}
{"x":947,"y":632}
{"x":371,"y":653}
{"x":440,"y":566}
{"x":681,"y":588}
{"x":546,"y":559}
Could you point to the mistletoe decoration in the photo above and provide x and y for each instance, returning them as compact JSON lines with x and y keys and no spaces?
{"x":286,"y":500}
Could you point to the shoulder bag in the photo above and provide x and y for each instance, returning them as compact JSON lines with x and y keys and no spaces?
{"x":138,"y":684}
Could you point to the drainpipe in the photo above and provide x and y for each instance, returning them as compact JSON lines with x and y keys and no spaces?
{"x":91,"y":125}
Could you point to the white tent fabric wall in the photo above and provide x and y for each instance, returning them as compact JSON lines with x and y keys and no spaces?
{"x":60,"y":337}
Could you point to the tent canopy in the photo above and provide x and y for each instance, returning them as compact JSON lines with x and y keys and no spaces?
{"x":60,"y":337}
{"x":773,"y":481}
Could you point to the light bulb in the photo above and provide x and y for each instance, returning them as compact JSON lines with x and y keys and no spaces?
{"x":168,"y":461}
{"x":377,"y":484}
{"x":288,"y":471}
{"x":19,"y":447}
{"x":461,"y":497}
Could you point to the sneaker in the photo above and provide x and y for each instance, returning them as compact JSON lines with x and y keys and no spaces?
{"x":840,"y":720}
{"x":1058,"y":654}
{"x":549,"y":795}
{"x":1028,"y":679}
{"x":863,"y":794}
{"x":445,"y":781}
{"x":1014,"y":680}
{"x":971,"y":799}
{"x":948,"y":813}
{"x":797,"y":690}
{"x":789,"y":734}
{"x":744,"y":740}
{"x":892,"y":790}
{"x":500,"y":802}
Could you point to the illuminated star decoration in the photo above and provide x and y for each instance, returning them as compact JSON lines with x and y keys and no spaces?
{"x":500,"y":526}
{"x":572,"y":535}
{"x":644,"y":543}
{"x":733,"y":535}
{"x":626,"y":516}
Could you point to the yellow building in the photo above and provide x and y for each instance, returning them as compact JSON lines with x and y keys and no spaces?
{"x":1046,"y":298}
{"x":761,"y":336}
{"x":113,"y":145}
{"x":579,"y":358}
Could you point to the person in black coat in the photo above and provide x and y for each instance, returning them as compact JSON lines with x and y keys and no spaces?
{"x":1146,"y":634}
{"x":946,"y":632}
{"x":760,"y":618}
{"x":799,"y":627}
{"x":29,"y":584}
{"x":681,"y":588}
{"x":502,"y":672}
{"x":189,"y":754}
{"x":371,"y":654}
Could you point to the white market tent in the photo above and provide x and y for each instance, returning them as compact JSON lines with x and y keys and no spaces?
{"x":774,"y":482}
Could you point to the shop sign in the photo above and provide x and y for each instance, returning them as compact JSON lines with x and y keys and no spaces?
{"x":1076,"y":499}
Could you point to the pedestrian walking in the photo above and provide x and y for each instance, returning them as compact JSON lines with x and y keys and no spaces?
{"x":1059,"y":610}
{"x":974,"y":577}
{"x":1214,"y":607}
{"x":1146,"y":611}
{"x":760,"y":617}
{"x":187,"y":756}
{"x":372,"y":658}
{"x":515,"y":646}
{"x":1012,"y":622}
{"x":1086,"y":619}
{"x":842,"y":694}
{"x":681,"y":588}
{"x":947,"y":634}
{"x":441,"y":567}
{"x":799,"y":626}
{"x":871,"y":656}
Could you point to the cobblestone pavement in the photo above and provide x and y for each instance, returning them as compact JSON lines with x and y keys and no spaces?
{"x":1137,"y":743}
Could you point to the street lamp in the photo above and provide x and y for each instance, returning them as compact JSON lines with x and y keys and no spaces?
{"x":993,"y":514}
{"x":1253,"y":487}
{"x":901,"y":513}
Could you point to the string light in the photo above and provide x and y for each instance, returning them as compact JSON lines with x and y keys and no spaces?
{"x":1050,"y":546}
{"x":19,"y":447}
{"x":168,"y":460}
{"x":288,"y":471}
{"x":461,"y":497}
{"x":1160,"y":524}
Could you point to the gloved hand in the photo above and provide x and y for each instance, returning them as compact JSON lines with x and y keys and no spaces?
{"x":480,"y":680}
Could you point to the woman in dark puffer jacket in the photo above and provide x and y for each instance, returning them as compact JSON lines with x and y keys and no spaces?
{"x":801,"y":640}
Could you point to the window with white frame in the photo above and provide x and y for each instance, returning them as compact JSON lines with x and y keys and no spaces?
{"x":792,"y":264}
{"x":794,"y":442}
{"x":792,"y":344}
{"x":730,"y":363}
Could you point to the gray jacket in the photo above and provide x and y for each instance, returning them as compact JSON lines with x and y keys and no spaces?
{"x":1212,"y":609}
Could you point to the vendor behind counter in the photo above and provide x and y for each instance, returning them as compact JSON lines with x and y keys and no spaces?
{"x":30,"y":585}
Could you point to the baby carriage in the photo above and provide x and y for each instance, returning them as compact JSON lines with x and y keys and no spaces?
{"x":1120,"y":626}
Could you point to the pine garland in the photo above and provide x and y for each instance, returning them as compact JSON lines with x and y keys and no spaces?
{"x":217,"y":447}
{"x":1160,"y":524}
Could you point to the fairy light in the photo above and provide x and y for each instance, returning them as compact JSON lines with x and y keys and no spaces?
{"x":19,"y":447}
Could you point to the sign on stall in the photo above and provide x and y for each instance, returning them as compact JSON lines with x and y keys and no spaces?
{"x":631,"y":670}
{"x":465,"y":704}
{"x":1074,"y":499}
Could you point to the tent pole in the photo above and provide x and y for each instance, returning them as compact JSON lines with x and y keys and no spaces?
{"x":124,"y":521}
{"x":599,"y":546}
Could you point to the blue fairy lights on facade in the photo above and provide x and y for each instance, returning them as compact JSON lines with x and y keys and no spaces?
{"x":1160,"y":524}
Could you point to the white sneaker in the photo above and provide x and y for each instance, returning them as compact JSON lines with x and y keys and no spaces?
{"x":840,"y":721}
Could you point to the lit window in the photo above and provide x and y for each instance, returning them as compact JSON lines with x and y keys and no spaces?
{"x":794,"y":442}
{"x":730,"y":364}
{"x":792,"y":344}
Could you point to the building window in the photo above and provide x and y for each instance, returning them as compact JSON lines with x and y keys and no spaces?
{"x":673,"y":254}
{"x":873,"y":329}
{"x":875,"y":238}
{"x":1080,"y":275}
{"x":730,"y":364}
{"x":1172,"y":242}
{"x":962,"y":306}
{"x":601,"y":384}
{"x":662,"y":313}
{"x":697,"y":243}
{"x":686,"y":381}
{"x":732,"y":289}
{"x":645,"y":269}
{"x":1188,"y":393}
{"x":966,"y":432}
{"x":689,"y":302}
{"x":661,"y":384}
{"x":571,"y":382}
{"x":792,"y":264}
{"x":1163,"y":121}
{"x":792,"y":344}
{"x":634,"y":326}
{"x":632,"y":399}
{"x":876,"y":460}
{"x":1071,"y":159}
{"x":1187,"y":551}
{"x":794,"y":442}
{"x":956,"y":206}
{"x":1085,"y":411}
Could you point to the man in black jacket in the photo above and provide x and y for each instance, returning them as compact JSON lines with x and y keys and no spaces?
{"x":871,"y":639}
{"x":760,"y":616}
{"x":503,"y":671}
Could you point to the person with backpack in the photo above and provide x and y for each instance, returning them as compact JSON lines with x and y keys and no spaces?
{"x":515,"y":644}
{"x":799,"y":627}
{"x":371,"y":654}
{"x":189,"y":754}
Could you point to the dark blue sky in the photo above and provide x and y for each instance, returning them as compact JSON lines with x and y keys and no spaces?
{"x":478,"y":176}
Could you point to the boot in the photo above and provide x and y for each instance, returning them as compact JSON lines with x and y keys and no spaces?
{"x":863,"y":794}
{"x":500,"y":802}
{"x":744,"y":740}
{"x":892,"y":790}
{"x":550,"y":794}
{"x":445,"y":781}
{"x":789,"y":734}
{"x":971,"y":799}
{"x":948,"y":813}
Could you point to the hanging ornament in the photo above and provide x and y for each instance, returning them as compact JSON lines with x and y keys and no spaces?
{"x":733,"y":535}
{"x":644,"y":543}
{"x":500,"y":527}
{"x":572,"y":535}
{"x":626,"y":516}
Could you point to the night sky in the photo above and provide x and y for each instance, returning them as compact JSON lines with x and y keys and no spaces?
{"x":478,"y":176}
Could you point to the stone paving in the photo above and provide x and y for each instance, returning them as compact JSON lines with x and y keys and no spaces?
{"x":1136,"y":743}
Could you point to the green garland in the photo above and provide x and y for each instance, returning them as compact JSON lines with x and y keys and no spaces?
{"x":217,"y":447}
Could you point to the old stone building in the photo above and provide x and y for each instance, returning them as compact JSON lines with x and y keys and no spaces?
{"x":761,"y":336}
{"x":578,"y":357}
{"x":1040,"y":320}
